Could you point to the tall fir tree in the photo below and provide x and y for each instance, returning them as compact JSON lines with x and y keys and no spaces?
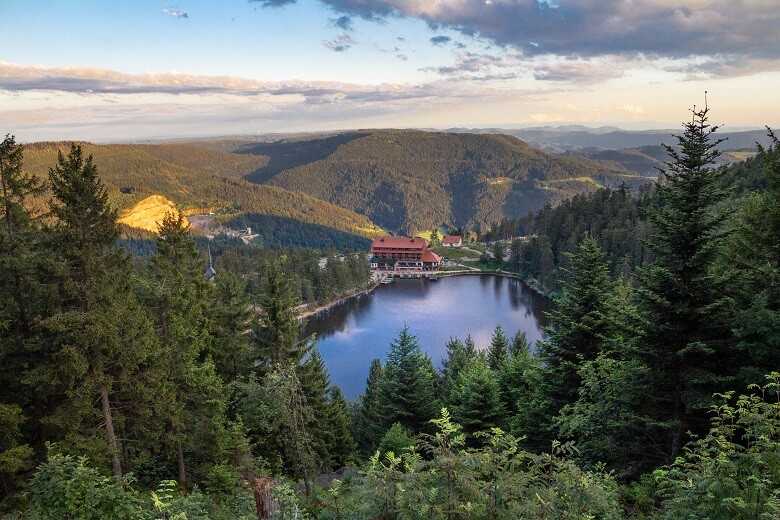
{"x":581,"y":322}
{"x":369,"y":419}
{"x":688,"y":346}
{"x":498,"y":351}
{"x":98,"y":331}
{"x":754,"y":250}
{"x":25,"y":365}
{"x":458,"y":358}
{"x":476,"y":401}
{"x":407,"y":388}
{"x":277,"y":339}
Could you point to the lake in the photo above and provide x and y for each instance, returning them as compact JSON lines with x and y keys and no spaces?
{"x":351,"y":334}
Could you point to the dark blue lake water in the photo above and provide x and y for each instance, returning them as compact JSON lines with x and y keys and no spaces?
{"x":355,"y":332}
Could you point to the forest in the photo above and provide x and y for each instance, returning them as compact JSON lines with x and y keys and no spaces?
{"x":137,"y":388}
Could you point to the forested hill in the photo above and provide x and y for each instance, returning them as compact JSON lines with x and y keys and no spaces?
{"x":201,"y":179}
{"x":411,"y":180}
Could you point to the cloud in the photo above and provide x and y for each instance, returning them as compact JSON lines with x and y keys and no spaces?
{"x":579,"y":71}
{"x":471,"y":65}
{"x":342,"y":22}
{"x":339,"y":44}
{"x":172,"y":11}
{"x":273,"y":3}
{"x":402,"y":57}
{"x":652,"y":29}
{"x":545,"y":118}
{"x":631,"y":109}
{"x":441,"y":40}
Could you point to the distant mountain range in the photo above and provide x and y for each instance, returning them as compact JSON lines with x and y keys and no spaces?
{"x":575,"y":137}
{"x":332,"y":189}
{"x":409,"y":180}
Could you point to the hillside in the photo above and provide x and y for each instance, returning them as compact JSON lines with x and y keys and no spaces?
{"x":200,"y":179}
{"x":148,"y":213}
{"x":410,"y":180}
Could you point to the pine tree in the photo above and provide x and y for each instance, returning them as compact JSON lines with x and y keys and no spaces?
{"x":315,"y":385}
{"x":580,"y":324}
{"x":22,"y":296}
{"x":688,"y":348}
{"x":458,"y":358}
{"x":98,"y":331}
{"x":754,"y":251}
{"x":230,"y":317}
{"x":498,"y":352}
{"x":685,"y":301}
{"x":277,"y":338}
{"x":369,"y":420}
{"x":407,"y":389}
{"x":342,"y":447}
{"x":476,"y":401}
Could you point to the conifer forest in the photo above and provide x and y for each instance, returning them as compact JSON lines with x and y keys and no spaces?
{"x":134,"y":387}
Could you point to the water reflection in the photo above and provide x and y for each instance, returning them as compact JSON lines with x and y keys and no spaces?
{"x":350,"y":335}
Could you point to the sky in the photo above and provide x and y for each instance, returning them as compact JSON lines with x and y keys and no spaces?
{"x":121,"y":70}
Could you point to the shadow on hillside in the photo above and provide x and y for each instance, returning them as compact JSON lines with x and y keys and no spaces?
{"x":277,"y":231}
{"x":284,"y":155}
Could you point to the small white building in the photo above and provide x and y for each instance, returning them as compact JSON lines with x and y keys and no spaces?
{"x":452,"y":241}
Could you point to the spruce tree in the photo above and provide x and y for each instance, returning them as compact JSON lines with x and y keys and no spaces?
{"x":476,"y":401}
{"x":369,"y":420}
{"x":754,"y":251}
{"x":338,"y":425}
{"x":98,"y":331}
{"x":315,"y":384}
{"x":580,"y":325}
{"x":688,"y":347}
{"x":407,"y":389}
{"x":498,"y":352}
{"x":22,"y":296}
{"x":276,"y":339}
{"x":458,"y":358}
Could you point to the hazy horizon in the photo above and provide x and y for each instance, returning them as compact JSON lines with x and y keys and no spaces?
{"x":118,"y":71}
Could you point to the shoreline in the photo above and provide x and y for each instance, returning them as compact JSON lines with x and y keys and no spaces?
{"x":441,"y":274}
{"x":323,"y":308}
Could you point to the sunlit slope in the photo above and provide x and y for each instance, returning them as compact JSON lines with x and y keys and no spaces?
{"x":148,"y":213}
{"x":198,"y":179}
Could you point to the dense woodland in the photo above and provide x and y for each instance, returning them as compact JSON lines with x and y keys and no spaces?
{"x":142,"y":390}
{"x":411,"y":180}
{"x":198,"y":179}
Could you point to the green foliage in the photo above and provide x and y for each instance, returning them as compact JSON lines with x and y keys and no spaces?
{"x":67,"y":488}
{"x":15,"y":457}
{"x":476,"y":401}
{"x":734,"y":471}
{"x":459,"y":356}
{"x":615,"y":218}
{"x":754,"y":249}
{"x":581,"y":323}
{"x":498,"y":351}
{"x":393,"y":177}
{"x":397,"y":439}
{"x":498,"y":481}
{"x":407,"y":386}
{"x":689,"y":348}
{"x":369,"y":420}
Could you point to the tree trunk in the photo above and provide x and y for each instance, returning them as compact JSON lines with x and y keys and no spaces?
{"x":180,"y":455}
{"x":116,"y":466}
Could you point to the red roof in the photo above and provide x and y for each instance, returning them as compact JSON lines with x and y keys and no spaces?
{"x":419,"y":244}
{"x":430,"y":256}
{"x":451,"y":239}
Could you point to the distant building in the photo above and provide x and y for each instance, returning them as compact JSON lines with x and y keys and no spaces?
{"x":452,"y":241}
{"x":403,"y":254}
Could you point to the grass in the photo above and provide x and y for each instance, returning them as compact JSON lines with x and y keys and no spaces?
{"x":452,"y":253}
